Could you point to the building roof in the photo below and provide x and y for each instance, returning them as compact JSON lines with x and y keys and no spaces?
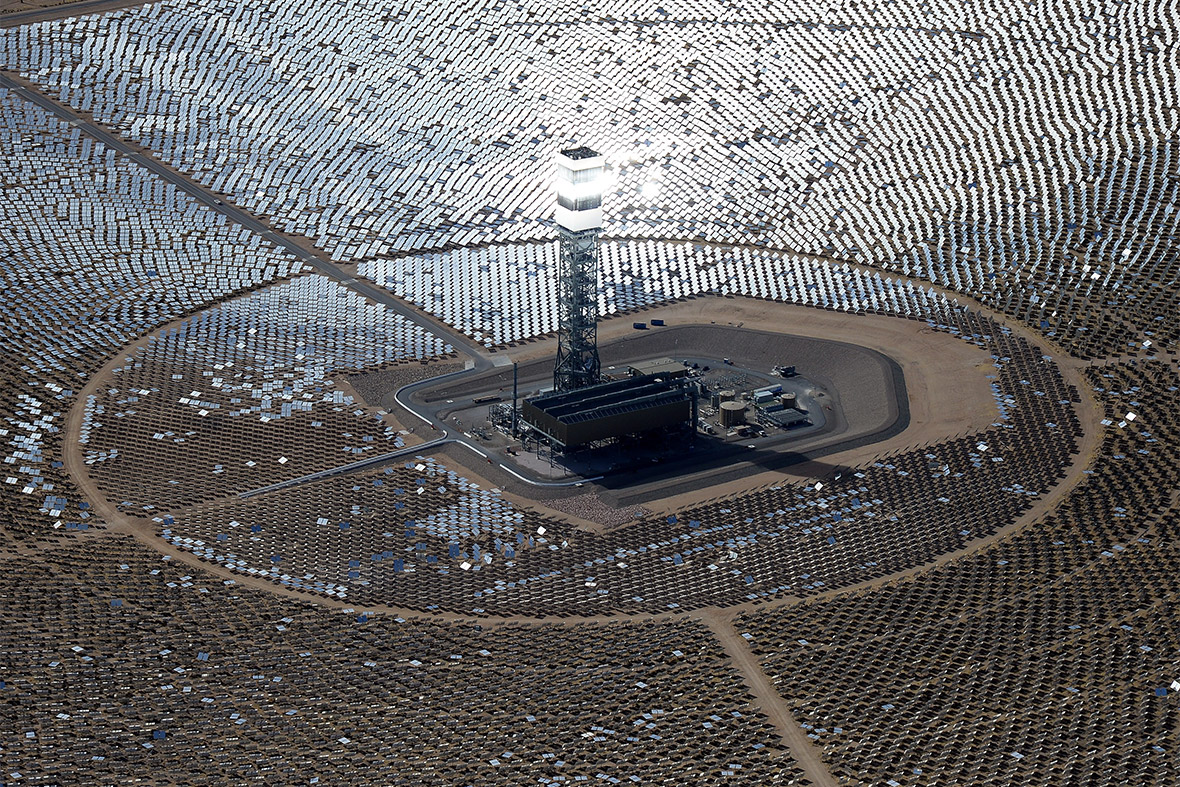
{"x":579,"y":153}
{"x":658,"y":366}
{"x":609,"y":409}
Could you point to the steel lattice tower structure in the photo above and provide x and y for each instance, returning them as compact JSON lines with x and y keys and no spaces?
{"x":579,"y":221}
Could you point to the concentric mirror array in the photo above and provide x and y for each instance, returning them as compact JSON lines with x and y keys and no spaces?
{"x":178,"y":667}
{"x":94,"y":252}
{"x":243,"y":395}
{"x":1016,"y":152}
{"x":865,"y":158}
{"x":503,"y":294}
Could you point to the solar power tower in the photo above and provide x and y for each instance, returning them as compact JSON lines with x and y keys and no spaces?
{"x":579,"y":221}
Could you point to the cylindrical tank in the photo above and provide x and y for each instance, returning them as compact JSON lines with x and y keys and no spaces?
{"x":733,"y":413}
{"x":788,"y":400}
{"x":727,"y":395}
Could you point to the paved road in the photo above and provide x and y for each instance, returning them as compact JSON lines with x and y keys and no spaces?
{"x":430,"y":413}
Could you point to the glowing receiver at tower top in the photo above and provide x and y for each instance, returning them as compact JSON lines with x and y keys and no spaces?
{"x":579,"y":189}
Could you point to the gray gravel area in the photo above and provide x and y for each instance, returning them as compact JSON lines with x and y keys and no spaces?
{"x":378,"y":387}
{"x":592,"y":507}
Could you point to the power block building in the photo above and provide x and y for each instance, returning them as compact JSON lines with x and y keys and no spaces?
{"x":607,"y":411}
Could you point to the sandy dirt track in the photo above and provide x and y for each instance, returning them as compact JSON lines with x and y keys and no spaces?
{"x":946,"y":381}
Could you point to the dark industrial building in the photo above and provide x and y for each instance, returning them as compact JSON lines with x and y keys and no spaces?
{"x":662,"y":367}
{"x":611,"y":410}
